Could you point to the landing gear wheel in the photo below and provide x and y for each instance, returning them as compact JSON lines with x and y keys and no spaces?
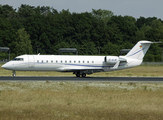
{"x":78,"y":75}
{"x":13,"y":73}
{"x":83,"y":75}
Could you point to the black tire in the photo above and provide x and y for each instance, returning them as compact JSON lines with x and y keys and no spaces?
{"x":84,"y":75}
{"x":78,"y":75}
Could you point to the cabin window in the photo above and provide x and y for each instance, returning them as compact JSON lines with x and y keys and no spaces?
{"x":70,"y":61}
{"x":65,"y":61}
{"x":38,"y":61}
{"x":61,"y":61}
{"x":74,"y":61}
{"x":42,"y":61}
{"x":87,"y":61}
{"x":83,"y":61}
{"x":79,"y":61}
{"x":92,"y":61}
{"x":51,"y":61}
{"x":47,"y":61}
{"x":56,"y":61}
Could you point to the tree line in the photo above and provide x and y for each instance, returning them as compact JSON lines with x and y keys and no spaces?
{"x":42,"y":29}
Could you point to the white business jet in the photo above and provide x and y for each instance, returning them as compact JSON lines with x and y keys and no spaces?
{"x":79,"y":65}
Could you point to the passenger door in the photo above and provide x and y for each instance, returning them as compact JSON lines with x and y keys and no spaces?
{"x":31,"y":61}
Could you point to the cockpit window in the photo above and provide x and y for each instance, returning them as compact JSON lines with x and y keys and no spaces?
{"x":18,"y":59}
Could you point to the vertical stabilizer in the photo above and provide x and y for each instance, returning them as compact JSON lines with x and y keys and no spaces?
{"x":139,"y":50}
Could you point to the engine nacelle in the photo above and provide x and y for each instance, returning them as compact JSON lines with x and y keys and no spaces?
{"x":111,"y":59}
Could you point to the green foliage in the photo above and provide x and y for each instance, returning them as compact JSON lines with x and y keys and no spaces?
{"x":3,"y":55}
{"x":23,"y":43}
{"x":43,"y":29}
{"x":104,"y":15}
{"x":110,"y":49}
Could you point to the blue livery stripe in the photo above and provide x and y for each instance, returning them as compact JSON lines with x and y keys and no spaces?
{"x":135,"y":53}
{"x":87,"y":65}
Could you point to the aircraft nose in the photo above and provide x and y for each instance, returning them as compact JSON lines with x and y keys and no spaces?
{"x":6,"y":66}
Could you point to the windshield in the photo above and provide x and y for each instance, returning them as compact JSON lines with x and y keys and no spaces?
{"x":17,"y":59}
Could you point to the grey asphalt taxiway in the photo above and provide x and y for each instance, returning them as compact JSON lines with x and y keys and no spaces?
{"x":86,"y":79}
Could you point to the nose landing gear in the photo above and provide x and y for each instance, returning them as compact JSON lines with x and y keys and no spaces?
{"x":13,"y":73}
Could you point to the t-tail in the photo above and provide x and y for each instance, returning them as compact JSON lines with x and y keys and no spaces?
{"x":139,"y":50}
{"x":134,"y":57}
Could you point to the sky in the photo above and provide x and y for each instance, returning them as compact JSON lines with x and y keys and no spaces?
{"x":134,"y":8}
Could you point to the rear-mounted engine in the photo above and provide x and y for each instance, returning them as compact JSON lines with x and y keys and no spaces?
{"x":111,"y":59}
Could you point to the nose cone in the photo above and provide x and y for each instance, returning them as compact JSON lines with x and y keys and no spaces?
{"x":6,"y":66}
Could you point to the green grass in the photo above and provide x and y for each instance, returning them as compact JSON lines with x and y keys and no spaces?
{"x":140,"y":71}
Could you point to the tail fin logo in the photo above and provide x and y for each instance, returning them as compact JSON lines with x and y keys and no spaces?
{"x":140,"y":47}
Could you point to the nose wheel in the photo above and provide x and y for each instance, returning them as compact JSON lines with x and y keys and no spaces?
{"x":13,"y":73}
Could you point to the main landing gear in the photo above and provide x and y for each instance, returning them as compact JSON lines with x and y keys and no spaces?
{"x":78,"y":74}
{"x":82,"y":74}
{"x":13,"y":73}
